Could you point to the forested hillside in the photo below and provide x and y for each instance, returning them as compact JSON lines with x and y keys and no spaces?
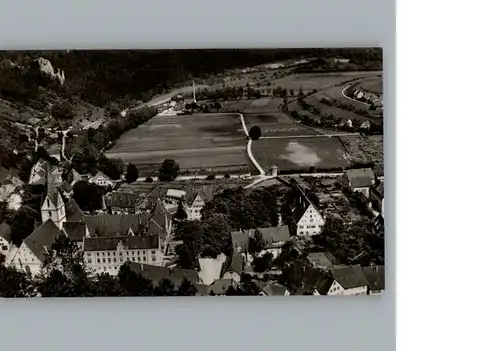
{"x":100,"y":77}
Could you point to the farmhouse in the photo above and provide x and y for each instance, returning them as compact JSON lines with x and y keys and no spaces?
{"x":359,"y":180}
{"x":321,"y":260}
{"x":349,"y":281}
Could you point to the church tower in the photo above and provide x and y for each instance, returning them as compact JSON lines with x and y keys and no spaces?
{"x":53,"y":204}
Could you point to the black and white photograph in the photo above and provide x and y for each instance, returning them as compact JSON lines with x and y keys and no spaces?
{"x":203,"y":172}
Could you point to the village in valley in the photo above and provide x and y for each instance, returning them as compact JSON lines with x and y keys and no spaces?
{"x":263,"y":175}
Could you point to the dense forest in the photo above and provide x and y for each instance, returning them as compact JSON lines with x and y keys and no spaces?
{"x":100,"y":77}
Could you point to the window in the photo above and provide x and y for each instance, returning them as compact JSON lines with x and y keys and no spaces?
{"x":133,"y":259}
{"x":109,"y":260}
{"x":98,"y":260}
{"x":98,"y":254}
{"x":138,"y":252}
{"x":121,"y":259}
{"x":89,"y":260}
{"x":109,"y":253}
{"x":88,"y":254}
{"x":153,"y":259}
{"x":114,"y":253}
{"x":138,"y":259}
{"x":133,"y":252}
{"x":144,"y":252}
{"x":4,"y":247}
{"x":50,"y":214}
{"x":120,"y":253}
{"x":144,"y":259}
{"x":104,"y":269}
{"x":114,"y":259}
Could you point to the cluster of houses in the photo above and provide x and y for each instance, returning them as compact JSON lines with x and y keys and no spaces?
{"x":371,"y":98}
{"x":137,"y":228}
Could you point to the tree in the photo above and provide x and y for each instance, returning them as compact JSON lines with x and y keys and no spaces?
{"x":255,"y":133}
{"x":14,"y":283}
{"x":63,"y":110}
{"x":186,"y":288}
{"x":132,"y":283}
{"x":256,"y":243}
{"x":217,"y":106}
{"x":263,"y":263}
{"x":185,"y":257}
{"x":87,"y":196}
{"x":211,"y":177}
{"x":132,"y":173}
{"x":227,"y":176}
{"x":180,"y":213}
{"x":165,"y":287}
{"x":112,"y":167}
{"x":168,"y":170}
{"x":23,"y":224}
{"x":149,"y":179}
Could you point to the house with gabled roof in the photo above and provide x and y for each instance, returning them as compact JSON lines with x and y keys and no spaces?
{"x":233,"y":267}
{"x":360,"y":180}
{"x":30,"y":256}
{"x":273,"y":239}
{"x":76,"y":232}
{"x":157,"y":273}
{"x":349,"y":280}
{"x":274,"y":289}
{"x":123,"y":202}
{"x":195,"y":199}
{"x":101,"y":179}
{"x":220,"y":286}
{"x":375,"y":277}
{"x":309,"y":219}
{"x":73,"y":211}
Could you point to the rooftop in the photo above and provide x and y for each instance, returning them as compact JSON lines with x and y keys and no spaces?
{"x":361,"y":177}
{"x":349,"y":277}
{"x":105,"y":243}
{"x":270,"y":235}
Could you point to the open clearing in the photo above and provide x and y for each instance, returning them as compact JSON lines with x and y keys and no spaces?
{"x":300,"y":154}
{"x":201,"y":143}
{"x":364,"y":149}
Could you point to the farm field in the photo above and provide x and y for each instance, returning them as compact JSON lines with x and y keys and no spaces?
{"x":310,"y":81}
{"x":276,"y":124}
{"x":373,"y":86}
{"x":262,"y":105}
{"x":315,"y":100}
{"x":199,"y":143}
{"x":301,"y":153}
{"x":364,"y":149}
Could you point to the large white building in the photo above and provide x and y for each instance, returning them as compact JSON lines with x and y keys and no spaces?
{"x":106,"y":254}
{"x":309,"y":220}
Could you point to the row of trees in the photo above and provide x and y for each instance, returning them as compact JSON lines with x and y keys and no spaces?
{"x":64,"y":274}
